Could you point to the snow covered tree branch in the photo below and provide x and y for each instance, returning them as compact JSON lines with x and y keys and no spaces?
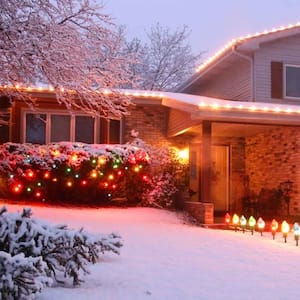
{"x":165,"y":60}
{"x":69,"y":45}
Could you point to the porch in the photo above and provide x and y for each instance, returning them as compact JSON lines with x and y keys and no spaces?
{"x":237,"y":152}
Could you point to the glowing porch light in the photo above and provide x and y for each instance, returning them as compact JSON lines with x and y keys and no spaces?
{"x":252,"y":223}
{"x":296,"y":232}
{"x":285,"y":228}
{"x":243,"y":222}
{"x":274,"y":227}
{"x":235,"y":221}
{"x":183,"y":155}
{"x":261,"y":225}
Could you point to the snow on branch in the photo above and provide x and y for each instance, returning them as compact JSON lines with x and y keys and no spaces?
{"x":69,"y":45}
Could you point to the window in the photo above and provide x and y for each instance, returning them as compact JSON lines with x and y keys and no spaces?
{"x":292,"y":81}
{"x":51,"y":127}
{"x":84,"y":129}
{"x":114,"y":132}
{"x":60,"y":128}
{"x":35,"y":128}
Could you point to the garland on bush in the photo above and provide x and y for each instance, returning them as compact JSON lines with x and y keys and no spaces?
{"x":74,"y":171}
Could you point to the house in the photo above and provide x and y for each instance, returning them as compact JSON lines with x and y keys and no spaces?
{"x":239,"y":114}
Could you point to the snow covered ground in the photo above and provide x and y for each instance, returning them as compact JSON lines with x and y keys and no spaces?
{"x":165,"y":259}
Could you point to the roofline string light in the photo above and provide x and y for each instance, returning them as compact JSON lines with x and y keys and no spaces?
{"x":235,"y":42}
{"x":259,"y":107}
{"x":50,"y":89}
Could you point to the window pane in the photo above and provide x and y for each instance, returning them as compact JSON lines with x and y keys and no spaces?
{"x":60,"y":128}
{"x":35,"y":128}
{"x":114,"y":131}
{"x":84,"y":129}
{"x":292,"y":81}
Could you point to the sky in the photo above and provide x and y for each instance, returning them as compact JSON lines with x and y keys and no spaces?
{"x":213,"y":23}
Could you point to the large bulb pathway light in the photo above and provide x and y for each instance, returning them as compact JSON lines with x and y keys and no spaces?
{"x":296,"y":232}
{"x":252,"y":223}
{"x":285,"y":228}
{"x":274,"y":227}
{"x":243,"y":222}
{"x":261,"y":225}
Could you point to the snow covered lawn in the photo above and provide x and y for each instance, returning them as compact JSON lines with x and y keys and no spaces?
{"x":165,"y":259}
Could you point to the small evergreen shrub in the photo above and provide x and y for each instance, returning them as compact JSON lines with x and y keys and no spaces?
{"x":37,"y":253}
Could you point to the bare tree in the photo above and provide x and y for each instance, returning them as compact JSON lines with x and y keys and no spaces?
{"x":70,"y":45}
{"x":165,"y":59}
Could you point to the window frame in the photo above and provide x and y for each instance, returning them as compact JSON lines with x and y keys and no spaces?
{"x":285,"y":81}
{"x":73,"y":116}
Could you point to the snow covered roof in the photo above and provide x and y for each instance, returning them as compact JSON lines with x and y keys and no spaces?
{"x":209,"y":108}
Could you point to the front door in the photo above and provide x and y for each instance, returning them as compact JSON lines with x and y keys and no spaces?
{"x":220,"y":175}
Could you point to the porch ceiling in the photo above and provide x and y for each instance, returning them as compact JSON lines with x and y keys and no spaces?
{"x":232,"y":129}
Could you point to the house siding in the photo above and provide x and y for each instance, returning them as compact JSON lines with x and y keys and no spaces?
{"x":272,"y":158}
{"x":179,"y":121}
{"x":286,"y":50}
{"x":233,"y":83}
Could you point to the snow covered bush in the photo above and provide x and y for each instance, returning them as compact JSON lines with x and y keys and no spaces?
{"x":168,"y":175}
{"x":74,"y":172}
{"x":55,"y":251}
{"x":21,"y":277}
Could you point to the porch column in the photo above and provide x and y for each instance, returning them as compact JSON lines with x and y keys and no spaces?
{"x":205,"y":178}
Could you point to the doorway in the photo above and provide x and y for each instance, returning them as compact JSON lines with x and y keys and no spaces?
{"x":220,"y":175}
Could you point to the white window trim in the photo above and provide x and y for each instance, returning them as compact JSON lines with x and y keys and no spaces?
{"x":284,"y":81}
{"x":48,"y":114}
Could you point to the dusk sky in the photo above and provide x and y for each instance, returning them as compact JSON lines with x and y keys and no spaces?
{"x":213,"y":22}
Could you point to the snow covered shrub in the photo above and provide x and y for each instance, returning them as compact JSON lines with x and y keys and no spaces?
{"x":21,"y":277}
{"x":168,"y":175}
{"x":74,"y":172}
{"x":64,"y":251}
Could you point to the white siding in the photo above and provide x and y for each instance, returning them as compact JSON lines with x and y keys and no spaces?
{"x":233,"y":82}
{"x":286,"y":50}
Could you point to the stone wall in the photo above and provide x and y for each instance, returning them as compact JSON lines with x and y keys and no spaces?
{"x":272,"y":158}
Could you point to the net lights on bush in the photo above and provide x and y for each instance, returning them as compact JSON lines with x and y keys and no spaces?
{"x":106,"y":173}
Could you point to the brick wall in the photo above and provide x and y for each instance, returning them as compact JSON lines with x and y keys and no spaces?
{"x":150,"y":121}
{"x":272,"y":158}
